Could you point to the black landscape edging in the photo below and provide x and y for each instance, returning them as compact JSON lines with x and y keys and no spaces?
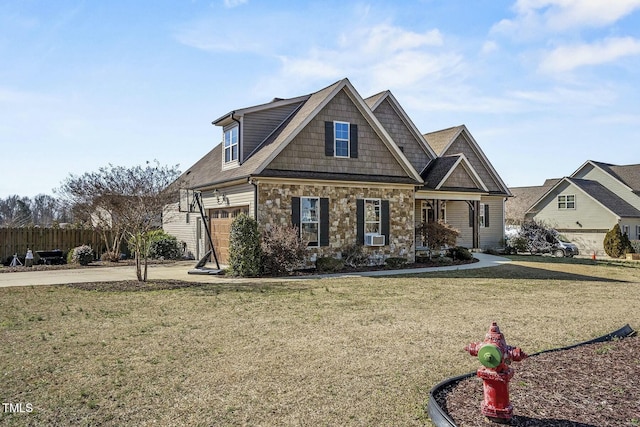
{"x":441,"y":418}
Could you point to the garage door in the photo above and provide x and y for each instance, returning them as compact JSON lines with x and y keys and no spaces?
{"x":221,"y":220}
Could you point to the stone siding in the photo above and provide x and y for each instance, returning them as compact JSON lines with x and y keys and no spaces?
{"x":274,"y":206}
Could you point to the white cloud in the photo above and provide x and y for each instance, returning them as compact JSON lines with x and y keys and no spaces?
{"x":383,"y":55}
{"x":539,"y":17}
{"x":569,"y":57}
{"x":234,"y":3}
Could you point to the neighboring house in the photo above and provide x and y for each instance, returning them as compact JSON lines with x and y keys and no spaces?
{"x":344,"y":170}
{"x":584,"y":206}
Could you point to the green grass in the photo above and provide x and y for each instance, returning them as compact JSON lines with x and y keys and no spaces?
{"x":349,"y":351}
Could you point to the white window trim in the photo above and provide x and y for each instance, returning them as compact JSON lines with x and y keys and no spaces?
{"x":378,"y":204}
{"x":565,"y":201}
{"x":481,"y":219}
{"x":317,"y":221}
{"x":335,"y":140}
{"x":232,"y":162}
{"x":626,"y":230}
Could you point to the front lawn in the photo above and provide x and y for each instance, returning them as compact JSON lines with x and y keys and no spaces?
{"x":349,"y":351}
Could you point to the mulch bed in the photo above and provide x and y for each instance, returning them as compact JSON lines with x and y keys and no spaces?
{"x":586,"y":386}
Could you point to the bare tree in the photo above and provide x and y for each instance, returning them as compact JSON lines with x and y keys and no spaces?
{"x":15,"y":211}
{"x":126,"y":201}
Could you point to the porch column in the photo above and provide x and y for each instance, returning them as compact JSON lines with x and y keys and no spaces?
{"x":476,"y":227}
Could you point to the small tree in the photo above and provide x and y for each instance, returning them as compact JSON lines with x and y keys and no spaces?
{"x":282,"y":249}
{"x":126,"y":201}
{"x":616,"y":244}
{"x":538,"y":236}
{"x":437,"y":234}
{"x":244,"y":247}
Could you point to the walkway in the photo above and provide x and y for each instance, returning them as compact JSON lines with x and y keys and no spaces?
{"x":179,"y":271}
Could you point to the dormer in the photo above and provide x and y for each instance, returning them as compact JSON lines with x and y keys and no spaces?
{"x":244,"y":130}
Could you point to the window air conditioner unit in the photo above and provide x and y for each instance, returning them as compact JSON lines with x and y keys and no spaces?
{"x":372,"y":239}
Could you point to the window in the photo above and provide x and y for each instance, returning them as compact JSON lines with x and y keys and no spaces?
{"x":625,"y":230}
{"x":341,"y":138}
{"x":310,"y":215}
{"x":310,"y":220}
{"x":231,"y":145}
{"x":482,"y":215}
{"x":372,"y":216}
{"x":638,"y":232}
{"x":567,"y":202}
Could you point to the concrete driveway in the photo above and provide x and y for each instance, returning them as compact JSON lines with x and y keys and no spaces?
{"x":180,"y":271}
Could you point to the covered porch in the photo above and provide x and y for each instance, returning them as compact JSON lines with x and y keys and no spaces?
{"x":462,"y":211}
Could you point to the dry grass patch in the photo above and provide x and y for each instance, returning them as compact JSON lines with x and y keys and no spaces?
{"x":350,"y":351}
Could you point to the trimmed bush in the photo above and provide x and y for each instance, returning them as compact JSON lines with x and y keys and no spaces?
{"x":110,"y":257}
{"x":459,"y":253}
{"x":443,"y":261}
{"x":354,"y":256}
{"x":395,"y":263}
{"x":329,"y":265}
{"x":282,"y":250}
{"x":245,"y":253}
{"x":82,"y":255}
{"x":164,"y":246}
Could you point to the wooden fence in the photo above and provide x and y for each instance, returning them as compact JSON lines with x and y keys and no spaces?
{"x":18,"y":240}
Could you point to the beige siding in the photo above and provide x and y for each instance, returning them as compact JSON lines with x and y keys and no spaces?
{"x":461,"y":145}
{"x":493,"y":236}
{"x":458,"y":217}
{"x":589,"y":213}
{"x":402,"y":135}
{"x":306,"y":151}
{"x":182,"y":225}
{"x":612,"y":184}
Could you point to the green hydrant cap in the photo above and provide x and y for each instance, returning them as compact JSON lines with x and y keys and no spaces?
{"x":490,"y":355}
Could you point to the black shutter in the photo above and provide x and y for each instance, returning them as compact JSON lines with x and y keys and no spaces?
{"x":324,"y":221}
{"x":360,"y":221}
{"x":486,"y":215}
{"x":384,"y":219}
{"x":328,"y":139}
{"x":353,"y":137}
{"x":295,"y":213}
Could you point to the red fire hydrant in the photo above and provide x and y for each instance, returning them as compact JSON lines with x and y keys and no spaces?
{"x":496,"y":356}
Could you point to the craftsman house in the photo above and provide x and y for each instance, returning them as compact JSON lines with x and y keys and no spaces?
{"x":344,"y":170}
{"x":587,"y":204}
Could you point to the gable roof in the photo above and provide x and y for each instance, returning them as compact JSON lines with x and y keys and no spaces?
{"x":440,"y":141}
{"x":440,"y":169}
{"x":374,"y":102}
{"x":599,"y":193}
{"x":525,"y":197}
{"x":208,"y":172}
{"x":627,"y":175}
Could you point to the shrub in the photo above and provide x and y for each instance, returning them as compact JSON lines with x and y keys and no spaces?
{"x":437,"y":234}
{"x":354,"y":256}
{"x":635,"y":244}
{"x":329,"y":265}
{"x":164,"y":246}
{"x":616,"y":244}
{"x":460,"y":253}
{"x":394,"y":263}
{"x":110,"y":257}
{"x":518,"y":243}
{"x":244,"y":247}
{"x":444,"y":260}
{"x":538,"y":237}
{"x":282,"y":249}
{"x":82,"y":255}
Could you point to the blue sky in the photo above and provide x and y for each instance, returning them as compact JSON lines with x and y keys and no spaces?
{"x":543,"y":85}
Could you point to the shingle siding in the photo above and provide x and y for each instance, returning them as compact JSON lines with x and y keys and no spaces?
{"x":401,"y":134}
{"x":307,"y":150}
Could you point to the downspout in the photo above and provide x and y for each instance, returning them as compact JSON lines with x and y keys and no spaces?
{"x":255,"y":198}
